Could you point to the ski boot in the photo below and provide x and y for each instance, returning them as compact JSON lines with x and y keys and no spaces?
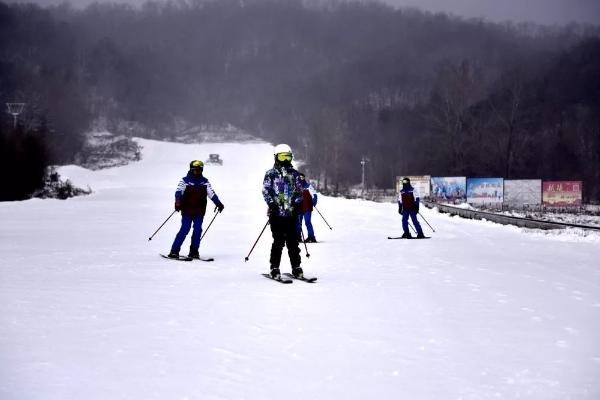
{"x":310,"y":239}
{"x":298,"y":273}
{"x":406,"y":235}
{"x":420,"y":235}
{"x":275,"y":274}
{"x":173,"y":254}
{"x":194,"y":254}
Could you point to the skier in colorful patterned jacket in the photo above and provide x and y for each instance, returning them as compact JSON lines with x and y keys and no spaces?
{"x":282,"y":191}
{"x":190,"y":199}
{"x":408,"y":205}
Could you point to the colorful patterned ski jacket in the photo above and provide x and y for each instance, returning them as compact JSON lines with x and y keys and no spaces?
{"x":192,"y":192}
{"x":282,"y":186}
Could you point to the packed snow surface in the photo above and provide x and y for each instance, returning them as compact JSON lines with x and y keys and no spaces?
{"x":88,"y":310}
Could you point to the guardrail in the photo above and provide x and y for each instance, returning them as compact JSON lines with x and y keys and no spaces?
{"x":505,"y":219}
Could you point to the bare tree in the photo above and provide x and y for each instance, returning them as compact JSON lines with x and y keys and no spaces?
{"x":456,"y":89}
{"x":507,"y":109}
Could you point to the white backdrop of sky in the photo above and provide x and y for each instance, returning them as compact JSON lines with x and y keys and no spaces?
{"x":539,"y":11}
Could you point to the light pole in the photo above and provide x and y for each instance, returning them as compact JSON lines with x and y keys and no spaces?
{"x":363,"y":161}
{"x":15,"y":109}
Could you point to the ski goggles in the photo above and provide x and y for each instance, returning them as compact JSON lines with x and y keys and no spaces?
{"x":405,"y":181}
{"x":285,"y":157}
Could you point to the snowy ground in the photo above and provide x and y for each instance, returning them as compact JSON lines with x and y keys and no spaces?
{"x":568,"y":218}
{"x":589,"y":217}
{"x":89,"y":311}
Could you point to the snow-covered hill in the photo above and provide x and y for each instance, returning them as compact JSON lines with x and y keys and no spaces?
{"x":89,"y":311}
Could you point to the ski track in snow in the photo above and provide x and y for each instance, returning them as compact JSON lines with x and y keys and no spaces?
{"x":88,"y":310}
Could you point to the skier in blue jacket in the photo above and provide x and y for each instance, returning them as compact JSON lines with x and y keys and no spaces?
{"x":309,"y":200}
{"x":408,"y":205}
{"x":190,"y":199}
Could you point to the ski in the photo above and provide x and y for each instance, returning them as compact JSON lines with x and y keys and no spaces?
{"x":400,"y":237}
{"x":280,"y":280}
{"x":311,"y":279}
{"x":181,"y":258}
{"x":207,"y":259}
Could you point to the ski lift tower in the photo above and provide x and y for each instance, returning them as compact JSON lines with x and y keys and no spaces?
{"x":15,"y":109}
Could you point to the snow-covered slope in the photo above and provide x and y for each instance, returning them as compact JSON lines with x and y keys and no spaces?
{"x":89,"y":311}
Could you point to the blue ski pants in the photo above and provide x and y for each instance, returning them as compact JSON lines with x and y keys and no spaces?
{"x":307,"y":221}
{"x":186,"y":224}
{"x":415,"y":221}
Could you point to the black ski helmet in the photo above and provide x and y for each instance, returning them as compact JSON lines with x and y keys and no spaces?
{"x":196,"y":165}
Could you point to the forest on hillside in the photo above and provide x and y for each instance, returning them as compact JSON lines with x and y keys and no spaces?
{"x":414,"y":92}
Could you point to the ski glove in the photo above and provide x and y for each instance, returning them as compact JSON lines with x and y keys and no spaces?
{"x":400,"y":209}
{"x":177,"y":205}
{"x":273,"y":209}
{"x":219,"y":207}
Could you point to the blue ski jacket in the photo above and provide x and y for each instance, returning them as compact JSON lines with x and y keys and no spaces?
{"x":408,"y":199}
{"x":192,"y":192}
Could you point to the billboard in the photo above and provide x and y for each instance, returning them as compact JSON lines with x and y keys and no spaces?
{"x":520,"y":193}
{"x":482,"y":191}
{"x":562,"y":193}
{"x":450,"y":189}
{"x":419,"y":182}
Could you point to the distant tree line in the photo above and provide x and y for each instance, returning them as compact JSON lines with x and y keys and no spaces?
{"x":414,"y":92}
{"x":23,"y":162}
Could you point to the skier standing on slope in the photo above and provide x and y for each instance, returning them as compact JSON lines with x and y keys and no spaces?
{"x":190,"y":199}
{"x":408,"y":205}
{"x":309,"y":200}
{"x":282,"y":191}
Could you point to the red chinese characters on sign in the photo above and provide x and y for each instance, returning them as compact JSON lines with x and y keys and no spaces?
{"x":562,"y":193}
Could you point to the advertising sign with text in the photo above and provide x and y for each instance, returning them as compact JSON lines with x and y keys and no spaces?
{"x":419,"y":182}
{"x":562,"y":193}
{"x":449,"y":189}
{"x":482,"y":191}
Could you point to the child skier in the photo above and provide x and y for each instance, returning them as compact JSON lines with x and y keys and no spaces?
{"x":190,"y":199}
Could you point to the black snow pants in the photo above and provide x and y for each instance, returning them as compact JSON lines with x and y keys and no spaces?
{"x":284,"y":234}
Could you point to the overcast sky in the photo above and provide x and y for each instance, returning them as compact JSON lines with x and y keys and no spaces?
{"x":540,"y":11}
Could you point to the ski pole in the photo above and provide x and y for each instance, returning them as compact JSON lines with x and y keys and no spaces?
{"x":426,"y":222}
{"x":169,"y":217}
{"x":261,"y":232}
{"x":304,"y":241}
{"x":211,"y":221}
{"x":412,"y":227}
{"x":323,"y":217}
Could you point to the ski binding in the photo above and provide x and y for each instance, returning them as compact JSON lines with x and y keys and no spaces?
{"x":181,"y":258}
